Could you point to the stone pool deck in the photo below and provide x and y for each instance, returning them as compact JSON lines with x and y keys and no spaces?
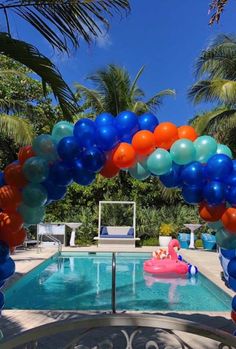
{"x":15,"y":321}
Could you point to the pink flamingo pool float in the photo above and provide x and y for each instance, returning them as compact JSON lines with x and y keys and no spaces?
{"x":169,"y":265}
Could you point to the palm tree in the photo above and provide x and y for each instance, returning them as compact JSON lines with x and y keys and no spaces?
{"x":114,"y":91}
{"x":217,"y":7}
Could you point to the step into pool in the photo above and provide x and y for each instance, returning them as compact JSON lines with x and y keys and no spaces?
{"x":82,"y":281}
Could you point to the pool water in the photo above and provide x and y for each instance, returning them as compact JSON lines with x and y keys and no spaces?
{"x":82,"y":281}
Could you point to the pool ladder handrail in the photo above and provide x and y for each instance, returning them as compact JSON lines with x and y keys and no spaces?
{"x":59,"y":244}
{"x":113,"y":290}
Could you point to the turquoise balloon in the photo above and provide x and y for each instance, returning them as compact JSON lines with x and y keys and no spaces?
{"x":140,"y":171}
{"x":34,"y":195}
{"x":225,"y":239}
{"x":36,"y":169}
{"x":224,"y":149}
{"x":45,"y":147}
{"x":206,"y":147}
{"x":32,"y":215}
{"x":62,"y":129}
{"x":215,"y":225}
{"x":159,"y":162}
{"x":183,"y":152}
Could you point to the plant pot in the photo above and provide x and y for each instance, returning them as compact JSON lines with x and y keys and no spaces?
{"x":164,"y":240}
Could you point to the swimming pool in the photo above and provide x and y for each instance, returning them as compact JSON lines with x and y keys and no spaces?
{"x":82,"y":281}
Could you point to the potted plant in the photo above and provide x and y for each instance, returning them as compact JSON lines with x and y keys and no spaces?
{"x":165,"y":234}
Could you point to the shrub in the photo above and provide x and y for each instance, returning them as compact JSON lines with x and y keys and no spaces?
{"x":152,"y":241}
{"x":166,"y":229}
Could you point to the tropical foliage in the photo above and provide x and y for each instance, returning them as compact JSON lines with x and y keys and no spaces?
{"x":216,"y":8}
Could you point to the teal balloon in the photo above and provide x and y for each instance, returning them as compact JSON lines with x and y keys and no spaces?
{"x":224,"y":149}
{"x":45,"y":147}
{"x":36,"y":169}
{"x":206,"y":147}
{"x":225,"y":239}
{"x":32,"y":215}
{"x":62,"y":129}
{"x":159,"y":162}
{"x":215,"y":225}
{"x":34,"y":195}
{"x":183,"y":152}
{"x":140,"y":171}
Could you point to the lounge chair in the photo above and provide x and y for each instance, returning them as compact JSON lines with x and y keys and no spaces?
{"x":184,"y":240}
{"x":208,"y":241}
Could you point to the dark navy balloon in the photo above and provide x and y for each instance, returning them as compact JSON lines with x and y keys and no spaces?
{"x":60,"y":173}
{"x":232,"y":268}
{"x":106,"y":137}
{"x":228,"y":254}
{"x":7,"y":269}
{"x":81,"y":175}
{"x":93,"y":159}
{"x":4,"y":251}
{"x":148,"y":121}
{"x":219,"y":166}
{"x":85,"y":132}
{"x":68,"y":149}
{"x":55,"y":192}
{"x":104,"y":119}
{"x":127,"y":124}
{"x":2,"y":181}
{"x":193,"y":174}
{"x":230,"y":196}
{"x":231,"y":179}
{"x":172,"y":179}
{"x":234,"y":303}
{"x":192,"y":194}
{"x":2,"y":283}
{"x":2,"y":300}
{"x":232,"y":283}
{"x":214,"y":193}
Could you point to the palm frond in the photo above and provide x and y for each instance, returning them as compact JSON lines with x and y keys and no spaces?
{"x":155,"y":102}
{"x":62,"y":23}
{"x":134,"y":83}
{"x":92,"y":98}
{"x":217,"y":7}
{"x":41,"y":65}
{"x":16,"y":128}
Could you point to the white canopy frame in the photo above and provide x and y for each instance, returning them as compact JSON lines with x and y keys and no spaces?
{"x":133,"y":203}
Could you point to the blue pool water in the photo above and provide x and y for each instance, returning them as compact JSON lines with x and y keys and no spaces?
{"x":82,"y":281}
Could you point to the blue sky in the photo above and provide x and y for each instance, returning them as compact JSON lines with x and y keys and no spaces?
{"x":165,"y":36}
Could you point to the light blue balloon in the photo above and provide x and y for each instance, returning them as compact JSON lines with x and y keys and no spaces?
{"x":62,"y":129}
{"x":183,"y":152}
{"x":140,"y":171}
{"x":159,"y":162}
{"x":206,"y":147}
{"x":36,"y":169}
{"x":32,"y":215}
{"x":225,"y":239}
{"x":45,"y":147}
{"x":34,"y":195}
{"x":224,"y":149}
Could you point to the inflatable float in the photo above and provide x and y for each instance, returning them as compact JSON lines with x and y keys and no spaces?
{"x":169,"y":265}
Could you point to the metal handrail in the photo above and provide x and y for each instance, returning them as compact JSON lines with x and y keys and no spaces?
{"x":113,"y":280}
{"x":119,"y":320}
{"x":59,"y":244}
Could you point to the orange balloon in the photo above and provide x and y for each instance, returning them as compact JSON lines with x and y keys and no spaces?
{"x":143,"y":142}
{"x":229,"y":220}
{"x":165,"y":135}
{"x":10,"y":222}
{"x":187,"y":132}
{"x":14,"y":175}
{"x":25,"y":153}
{"x":10,"y":196}
{"x":109,"y":170}
{"x":124,"y":156}
{"x":233,"y":316}
{"x":14,"y":238}
{"x":211,"y":213}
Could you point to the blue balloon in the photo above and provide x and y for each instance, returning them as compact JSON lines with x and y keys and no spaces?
{"x":61,"y":173}
{"x":68,"y":149}
{"x":234,"y":303}
{"x":219,"y":166}
{"x":104,"y":119}
{"x":230,"y":196}
{"x":214,"y":193}
{"x":232,"y":267}
{"x":93,"y":159}
{"x":172,"y":179}
{"x":228,"y":254}
{"x":232,"y":283}
{"x":231,"y":179}
{"x":127,"y":124}
{"x":55,"y":192}
{"x":4,"y":251}
{"x":106,"y":137}
{"x":2,"y":181}
{"x":2,"y":300}
{"x":148,"y":121}
{"x":81,"y":175}
{"x":192,"y":194}
{"x":7,"y":269}
{"x":193,"y":174}
{"x":85,"y":132}
{"x":2,"y":283}
{"x":36,"y":169}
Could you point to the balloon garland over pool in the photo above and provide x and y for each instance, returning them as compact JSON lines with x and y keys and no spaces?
{"x":203,"y":169}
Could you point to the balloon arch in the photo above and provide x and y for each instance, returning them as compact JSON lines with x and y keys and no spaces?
{"x":203,"y":169}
